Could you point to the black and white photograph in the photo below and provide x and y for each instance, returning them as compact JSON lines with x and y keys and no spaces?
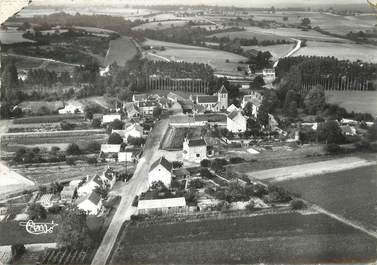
{"x":140,"y":132}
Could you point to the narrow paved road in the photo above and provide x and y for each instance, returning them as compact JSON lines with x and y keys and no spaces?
{"x":137,"y":184}
{"x":291,"y":52}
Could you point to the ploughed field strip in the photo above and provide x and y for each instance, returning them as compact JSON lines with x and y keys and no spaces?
{"x":266,"y":238}
{"x":350,"y":194}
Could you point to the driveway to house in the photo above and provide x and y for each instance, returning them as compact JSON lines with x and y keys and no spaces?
{"x":137,"y":185}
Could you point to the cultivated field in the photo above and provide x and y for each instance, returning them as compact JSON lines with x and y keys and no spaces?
{"x":12,"y":36}
{"x":333,"y":23}
{"x":273,"y":238}
{"x":120,"y":51}
{"x":342,"y":51}
{"x":358,"y":101}
{"x":179,"y":52}
{"x":35,"y":106}
{"x":45,"y":173}
{"x":307,"y":170}
{"x":351,"y":193}
{"x":12,"y":181}
{"x":278,"y":33}
{"x":277,"y":51}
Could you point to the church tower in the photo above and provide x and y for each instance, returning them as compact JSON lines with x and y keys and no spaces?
{"x":222,"y":98}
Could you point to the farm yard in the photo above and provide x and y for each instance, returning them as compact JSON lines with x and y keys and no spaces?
{"x":342,"y":51}
{"x":179,"y":52}
{"x":350,"y":194}
{"x":272,"y":238}
{"x":357,"y":101}
{"x":174,"y":137}
{"x":120,"y":51}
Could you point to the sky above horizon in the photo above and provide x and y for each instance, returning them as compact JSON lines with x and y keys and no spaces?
{"x":240,"y":3}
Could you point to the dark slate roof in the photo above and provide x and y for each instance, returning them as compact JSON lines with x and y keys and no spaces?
{"x":223,"y":90}
{"x":164,"y":162}
{"x":94,"y":197}
{"x":181,"y":172}
{"x":233,"y":114}
{"x":207,"y":99}
{"x":197,"y":142}
{"x":97,"y":180}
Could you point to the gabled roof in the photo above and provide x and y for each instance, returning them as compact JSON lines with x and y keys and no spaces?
{"x":233,"y":114}
{"x":96,"y":179}
{"x":222,"y":90}
{"x":134,"y":126}
{"x":207,"y":99}
{"x":163,"y":162}
{"x":93,"y":197}
{"x":181,"y":172}
{"x":197,"y":142}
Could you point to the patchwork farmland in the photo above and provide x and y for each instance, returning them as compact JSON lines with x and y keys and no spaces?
{"x":351,"y":193}
{"x":275,"y":238}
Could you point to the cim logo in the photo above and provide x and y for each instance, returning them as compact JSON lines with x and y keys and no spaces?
{"x":38,"y":228}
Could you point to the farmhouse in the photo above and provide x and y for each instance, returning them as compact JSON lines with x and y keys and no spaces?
{"x":89,"y":185}
{"x":147,"y":108}
{"x":130,"y":154}
{"x":194,"y":150}
{"x":90,"y":203}
{"x":170,"y":205}
{"x":160,"y":171}
{"x":216,"y":102}
{"x":134,"y":130}
{"x":255,"y":99}
{"x":107,"y":118}
{"x":236,"y":122}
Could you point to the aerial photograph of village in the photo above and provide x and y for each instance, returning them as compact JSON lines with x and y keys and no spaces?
{"x":189,"y":132}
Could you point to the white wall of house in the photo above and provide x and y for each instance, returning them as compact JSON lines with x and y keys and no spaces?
{"x":160,"y":173}
{"x":90,"y":207}
{"x":237,"y":124}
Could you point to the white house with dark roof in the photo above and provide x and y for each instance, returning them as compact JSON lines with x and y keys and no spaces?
{"x":236,"y":122}
{"x":161,"y":170}
{"x":90,"y":203}
{"x":216,"y":102}
{"x":194,"y":150}
{"x":134,"y":130}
